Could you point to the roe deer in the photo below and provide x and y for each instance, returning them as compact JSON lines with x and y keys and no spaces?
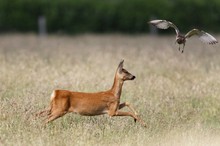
{"x":92,"y":104}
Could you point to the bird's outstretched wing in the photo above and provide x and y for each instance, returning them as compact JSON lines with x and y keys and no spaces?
{"x":164,"y":24}
{"x":203,"y":36}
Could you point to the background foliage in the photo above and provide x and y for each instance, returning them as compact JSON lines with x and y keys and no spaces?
{"x":130,"y":16}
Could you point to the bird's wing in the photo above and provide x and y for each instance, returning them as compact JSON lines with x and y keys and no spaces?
{"x":203,"y":36}
{"x":164,"y":24}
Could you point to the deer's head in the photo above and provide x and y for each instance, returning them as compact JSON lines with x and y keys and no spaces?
{"x":123,"y":74}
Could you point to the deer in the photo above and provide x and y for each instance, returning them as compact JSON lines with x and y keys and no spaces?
{"x":92,"y":104}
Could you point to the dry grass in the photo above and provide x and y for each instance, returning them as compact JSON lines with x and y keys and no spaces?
{"x":176,"y":94}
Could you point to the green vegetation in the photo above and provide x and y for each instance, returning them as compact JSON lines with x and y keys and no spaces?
{"x":130,"y":16}
{"x":176,"y":94}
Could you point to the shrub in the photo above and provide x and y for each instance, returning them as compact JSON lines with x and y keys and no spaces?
{"x":130,"y":16}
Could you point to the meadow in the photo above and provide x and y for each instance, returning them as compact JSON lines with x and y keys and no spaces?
{"x":177,"y":95}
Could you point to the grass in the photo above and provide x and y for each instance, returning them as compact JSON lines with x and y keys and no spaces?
{"x":176,"y":94}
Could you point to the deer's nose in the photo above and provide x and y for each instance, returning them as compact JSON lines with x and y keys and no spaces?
{"x":133,"y":77}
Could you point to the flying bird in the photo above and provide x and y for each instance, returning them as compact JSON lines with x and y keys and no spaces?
{"x":181,"y":39}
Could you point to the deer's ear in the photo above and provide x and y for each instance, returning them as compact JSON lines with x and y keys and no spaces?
{"x":120,"y":66}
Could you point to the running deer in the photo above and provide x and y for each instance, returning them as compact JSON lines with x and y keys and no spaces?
{"x":92,"y":104}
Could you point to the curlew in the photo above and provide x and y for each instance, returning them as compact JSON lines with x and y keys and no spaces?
{"x":181,"y":39}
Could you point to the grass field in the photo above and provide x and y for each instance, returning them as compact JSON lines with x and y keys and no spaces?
{"x":178,"y":95}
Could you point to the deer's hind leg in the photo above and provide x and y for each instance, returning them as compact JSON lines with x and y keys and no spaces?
{"x":43,"y":113}
{"x":54,"y":115}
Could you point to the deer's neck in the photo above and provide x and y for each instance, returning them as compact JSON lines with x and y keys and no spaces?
{"x":117,"y":87}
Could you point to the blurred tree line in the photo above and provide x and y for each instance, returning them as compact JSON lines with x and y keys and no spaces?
{"x":130,"y":16}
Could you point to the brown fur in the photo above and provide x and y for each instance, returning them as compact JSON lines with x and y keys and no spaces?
{"x":91,"y":104}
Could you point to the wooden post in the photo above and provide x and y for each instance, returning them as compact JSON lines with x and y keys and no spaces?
{"x":42,"y":30}
{"x":153,"y":29}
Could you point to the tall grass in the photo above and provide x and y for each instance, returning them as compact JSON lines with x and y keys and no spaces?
{"x":176,"y":94}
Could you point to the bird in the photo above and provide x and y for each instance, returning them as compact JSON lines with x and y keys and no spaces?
{"x":180,"y":38}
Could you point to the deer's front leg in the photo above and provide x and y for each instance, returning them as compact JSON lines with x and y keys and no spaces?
{"x":120,"y":113}
{"x":122,"y":105}
{"x":113,"y":111}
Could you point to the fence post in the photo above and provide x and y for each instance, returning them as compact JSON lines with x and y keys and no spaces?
{"x":153,"y":29}
{"x":42,"y":30}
